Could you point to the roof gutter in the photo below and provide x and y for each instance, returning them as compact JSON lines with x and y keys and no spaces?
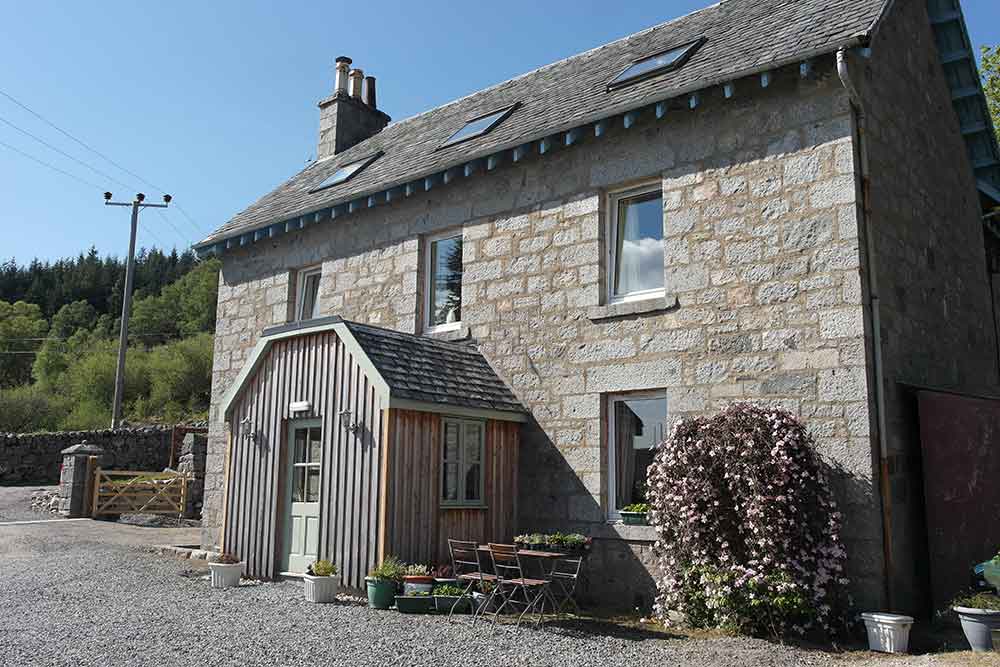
{"x":603,"y":116}
{"x":870,"y":268}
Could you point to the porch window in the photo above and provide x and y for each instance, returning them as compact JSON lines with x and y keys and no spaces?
{"x":462,"y":451}
{"x":444,"y":283}
{"x":636,"y":424}
{"x":307,"y":294}
{"x":635,"y":244}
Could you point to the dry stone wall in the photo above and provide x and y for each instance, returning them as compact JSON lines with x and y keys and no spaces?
{"x":34,"y":458}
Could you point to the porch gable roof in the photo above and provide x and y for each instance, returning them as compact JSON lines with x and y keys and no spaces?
{"x":413,"y":372}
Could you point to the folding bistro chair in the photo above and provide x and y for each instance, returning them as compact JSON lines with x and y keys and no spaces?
{"x":516,"y":589}
{"x":563,"y":579}
{"x":467,"y":566}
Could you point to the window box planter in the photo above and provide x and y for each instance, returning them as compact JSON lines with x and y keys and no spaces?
{"x":225,"y":575}
{"x":461,"y":603}
{"x":414,"y":604}
{"x":380,"y":592}
{"x":888,"y":633}
{"x":978,"y":625}
{"x":321,"y":589}
{"x":634,"y":518}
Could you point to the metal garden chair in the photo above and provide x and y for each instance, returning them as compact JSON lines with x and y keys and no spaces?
{"x":513,"y":587}
{"x":467,"y":566}
{"x":563,"y":579}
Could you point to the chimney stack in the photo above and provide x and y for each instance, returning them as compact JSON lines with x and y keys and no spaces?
{"x":350,"y":115}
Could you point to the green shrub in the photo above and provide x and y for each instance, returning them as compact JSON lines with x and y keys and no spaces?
{"x":322,"y":568}
{"x":391,"y":569}
{"x":448,"y":590}
{"x":28,"y":409}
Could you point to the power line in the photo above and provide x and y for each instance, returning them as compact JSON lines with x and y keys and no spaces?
{"x":64,"y":153}
{"x":97,"y":153}
{"x":50,"y":166}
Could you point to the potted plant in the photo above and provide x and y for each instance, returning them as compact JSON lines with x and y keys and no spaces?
{"x":382,"y":582}
{"x":226,"y":570}
{"x":536,"y":541}
{"x":444,"y":576}
{"x":417,"y":579}
{"x":321,"y":584}
{"x":481,"y":596}
{"x":979,"y":614}
{"x":418,"y":602}
{"x":447,"y":596}
{"x":888,"y":633}
{"x":635,"y":514}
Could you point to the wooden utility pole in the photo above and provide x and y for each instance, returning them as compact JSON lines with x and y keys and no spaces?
{"x":136,"y":204}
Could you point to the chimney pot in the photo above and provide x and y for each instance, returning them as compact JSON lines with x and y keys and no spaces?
{"x":356,"y":78}
{"x":370,"y":92}
{"x":343,"y":67}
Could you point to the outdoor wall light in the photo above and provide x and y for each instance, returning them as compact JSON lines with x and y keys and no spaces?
{"x":345,"y":420}
{"x":248,"y":432}
{"x":300,"y":406}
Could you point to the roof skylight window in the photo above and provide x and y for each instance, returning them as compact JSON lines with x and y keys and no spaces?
{"x":655,"y":64}
{"x":479,"y":126}
{"x":345,"y":173}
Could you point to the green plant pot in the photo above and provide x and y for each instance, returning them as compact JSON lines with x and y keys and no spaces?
{"x":380,"y":592}
{"x":414,"y":604}
{"x":444,"y":603}
{"x":634,"y":518}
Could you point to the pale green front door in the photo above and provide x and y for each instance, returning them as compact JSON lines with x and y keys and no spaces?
{"x":305,"y":446}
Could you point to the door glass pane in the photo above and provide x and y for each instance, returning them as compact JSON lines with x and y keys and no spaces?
{"x":639,"y":244}
{"x":312,"y":484}
{"x":449,"y":481}
{"x":445,"y":281}
{"x":640,"y":424}
{"x":300,"y":446}
{"x":315,"y":445}
{"x":298,"y":484}
{"x":472,"y":475}
{"x":450,"y":441}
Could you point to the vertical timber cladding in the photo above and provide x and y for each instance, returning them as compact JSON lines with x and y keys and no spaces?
{"x":317,"y":368}
{"x":417,"y":528}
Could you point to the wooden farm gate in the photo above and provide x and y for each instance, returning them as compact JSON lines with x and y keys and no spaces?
{"x":138,"y":492}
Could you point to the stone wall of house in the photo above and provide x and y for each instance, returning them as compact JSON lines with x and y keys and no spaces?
{"x":34,"y":458}
{"x":762,"y":269}
{"x":934,"y":301}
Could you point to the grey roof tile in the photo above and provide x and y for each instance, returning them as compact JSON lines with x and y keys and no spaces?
{"x":743,"y":35}
{"x":423,"y":369}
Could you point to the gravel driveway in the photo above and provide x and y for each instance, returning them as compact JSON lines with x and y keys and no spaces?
{"x":84,"y":593}
{"x":14,"y":504}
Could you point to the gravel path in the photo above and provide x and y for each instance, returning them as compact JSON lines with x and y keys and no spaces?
{"x":14,"y":504}
{"x":79,"y":594}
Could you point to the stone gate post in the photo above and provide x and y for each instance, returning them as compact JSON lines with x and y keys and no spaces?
{"x":74,"y":479}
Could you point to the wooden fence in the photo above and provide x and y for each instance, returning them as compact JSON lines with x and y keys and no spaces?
{"x":138,"y":492}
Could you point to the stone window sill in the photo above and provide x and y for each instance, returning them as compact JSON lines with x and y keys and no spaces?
{"x":660,"y":304}
{"x":459,"y":333}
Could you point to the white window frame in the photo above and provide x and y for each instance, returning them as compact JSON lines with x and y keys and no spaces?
{"x":300,"y":283}
{"x":429,"y":280}
{"x":614,"y":199}
{"x":462,"y":502}
{"x":613,"y":514}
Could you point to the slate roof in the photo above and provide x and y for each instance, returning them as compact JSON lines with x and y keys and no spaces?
{"x":423,"y":369}
{"x":743,"y":37}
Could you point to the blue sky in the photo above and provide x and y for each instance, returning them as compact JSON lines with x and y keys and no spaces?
{"x":215,"y":101}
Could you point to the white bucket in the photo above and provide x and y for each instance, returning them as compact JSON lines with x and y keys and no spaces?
{"x":888,"y":633}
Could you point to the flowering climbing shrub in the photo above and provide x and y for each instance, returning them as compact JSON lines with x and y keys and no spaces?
{"x":748,"y":532}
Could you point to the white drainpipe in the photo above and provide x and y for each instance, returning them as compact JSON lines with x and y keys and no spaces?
{"x":870,"y":268}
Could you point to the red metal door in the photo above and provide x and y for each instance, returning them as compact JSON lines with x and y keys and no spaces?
{"x":961,"y":456}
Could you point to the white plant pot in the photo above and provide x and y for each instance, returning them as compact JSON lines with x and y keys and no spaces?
{"x":226,"y":575}
{"x":888,"y":633}
{"x":321,"y":589}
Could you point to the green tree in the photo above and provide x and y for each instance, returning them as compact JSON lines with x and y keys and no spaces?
{"x":21,"y":329}
{"x":184,"y":308}
{"x":991,"y":83}
{"x":28,"y":409}
{"x":71,"y":318}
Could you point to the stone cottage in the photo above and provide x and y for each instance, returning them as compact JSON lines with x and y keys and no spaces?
{"x":477,"y":321}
